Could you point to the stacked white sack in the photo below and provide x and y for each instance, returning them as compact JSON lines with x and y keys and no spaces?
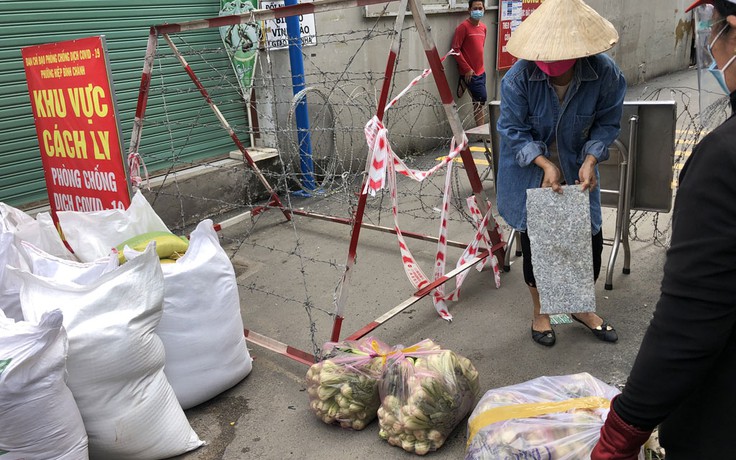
{"x":201,"y":327}
{"x":25,"y":256}
{"x":93,"y":234}
{"x":10,"y":285}
{"x":41,"y":231}
{"x":116,"y":360}
{"x":44,"y":264}
{"x":39,"y":416}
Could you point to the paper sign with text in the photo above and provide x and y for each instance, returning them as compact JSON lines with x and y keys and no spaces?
{"x":276,"y":36}
{"x":73,"y":104}
{"x":510,"y":15}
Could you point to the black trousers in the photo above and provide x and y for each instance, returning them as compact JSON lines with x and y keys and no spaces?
{"x":526,"y":250}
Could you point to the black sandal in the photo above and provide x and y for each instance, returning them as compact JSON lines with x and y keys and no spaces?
{"x":545,"y":338}
{"x":604,"y":332}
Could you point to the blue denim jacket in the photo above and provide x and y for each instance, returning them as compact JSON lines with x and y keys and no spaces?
{"x":531,"y":119}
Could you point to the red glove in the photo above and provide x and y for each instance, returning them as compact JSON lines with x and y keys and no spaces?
{"x":619,"y":440}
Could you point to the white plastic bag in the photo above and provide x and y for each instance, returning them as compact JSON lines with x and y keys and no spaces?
{"x":116,"y":360}
{"x":545,"y":418}
{"x":92,"y":235}
{"x":41,"y":232}
{"x":202,"y":327}
{"x":40,"y":419}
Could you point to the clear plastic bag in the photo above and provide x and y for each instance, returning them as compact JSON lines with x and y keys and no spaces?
{"x":425,"y":394}
{"x":343,"y":387}
{"x":546,"y":418}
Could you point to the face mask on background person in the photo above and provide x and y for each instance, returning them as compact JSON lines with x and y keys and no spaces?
{"x":476,"y":14}
{"x":713,"y":67}
{"x":555,"y":68}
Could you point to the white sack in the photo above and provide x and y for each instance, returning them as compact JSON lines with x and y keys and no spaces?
{"x":41,"y":232}
{"x":92,"y":235}
{"x":44,"y":264}
{"x":116,"y":360}
{"x":10,"y":285}
{"x":24,"y":255}
{"x":201,"y":327}
{"x":40,"y":419}
{"x":11,"y":219}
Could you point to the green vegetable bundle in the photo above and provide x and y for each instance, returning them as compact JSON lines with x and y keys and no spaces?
{"x":425,"y":393}
{"x":343,"y":389}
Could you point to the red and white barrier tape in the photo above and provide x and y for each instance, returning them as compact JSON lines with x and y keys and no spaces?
{"x":134,"y":170}
{"x":425,"y":73}
{"x":384,"y":165}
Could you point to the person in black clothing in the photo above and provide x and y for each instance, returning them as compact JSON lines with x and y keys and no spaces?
{"x":684,"y":377}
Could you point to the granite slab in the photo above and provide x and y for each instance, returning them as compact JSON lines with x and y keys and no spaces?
{"x":558,"y":226}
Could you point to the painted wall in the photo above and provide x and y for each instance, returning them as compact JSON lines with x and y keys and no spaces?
{"x":346,"y":68}
{"x":655,"y":36}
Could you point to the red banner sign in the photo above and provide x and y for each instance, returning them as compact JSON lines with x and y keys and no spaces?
{"x":74,"y":107}
{"x":510,"y":15}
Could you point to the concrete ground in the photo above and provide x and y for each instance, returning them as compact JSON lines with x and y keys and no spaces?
{"x":267,"y":415}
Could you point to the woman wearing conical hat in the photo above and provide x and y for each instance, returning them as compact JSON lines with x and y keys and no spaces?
{"x":561,"y":105}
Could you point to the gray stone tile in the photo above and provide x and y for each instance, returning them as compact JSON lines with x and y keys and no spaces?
{"x":559,"y":233}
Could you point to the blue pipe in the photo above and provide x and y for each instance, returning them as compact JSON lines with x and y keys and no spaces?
{"x":302,"y":113}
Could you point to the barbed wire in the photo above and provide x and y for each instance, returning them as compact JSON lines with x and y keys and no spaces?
{"x":340,"y":103}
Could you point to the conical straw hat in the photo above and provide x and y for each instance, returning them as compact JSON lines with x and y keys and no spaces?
{"x":562,"y":29}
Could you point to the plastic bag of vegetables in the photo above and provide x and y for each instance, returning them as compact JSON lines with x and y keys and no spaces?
{"x":425,"y":393}
{"x":343,"y":387}
{"x":546,"y":418}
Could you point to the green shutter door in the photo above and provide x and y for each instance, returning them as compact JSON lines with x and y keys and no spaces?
{"x":179,"y":128}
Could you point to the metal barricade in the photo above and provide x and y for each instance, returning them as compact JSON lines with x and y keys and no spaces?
{"x":640,"y":180}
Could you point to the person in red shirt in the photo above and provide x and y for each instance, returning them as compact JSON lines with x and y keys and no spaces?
{"x":468,"y":42}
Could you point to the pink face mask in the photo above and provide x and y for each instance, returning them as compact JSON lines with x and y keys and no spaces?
{"x":555,"y":68}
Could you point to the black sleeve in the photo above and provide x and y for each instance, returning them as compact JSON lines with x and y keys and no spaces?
{"x":696,"y":312}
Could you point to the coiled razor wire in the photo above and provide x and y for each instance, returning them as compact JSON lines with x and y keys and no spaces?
{"x":340,"y":102}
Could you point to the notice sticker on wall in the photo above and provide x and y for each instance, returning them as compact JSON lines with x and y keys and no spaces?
{"x":276,"y":34}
